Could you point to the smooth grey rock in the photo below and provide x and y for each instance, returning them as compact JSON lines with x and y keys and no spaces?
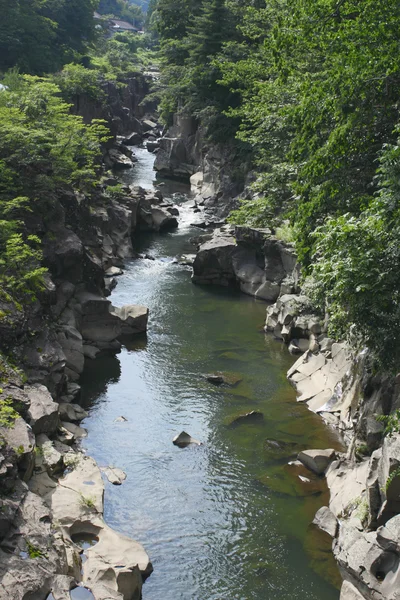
{"x":213,"y":262}
{"x":99,"y":325}
{"x":118,"y":160}
{"x":134,"y":318}
{"x":72,"y":412}
{"x":90,"y":351}
{"x":134,"y":139}
{"x":71,"y":342}
{"x":325,"y":519}
{"x":316,"y":460}
{"x":114,"y":475}
{"x":349,"y":592}
{"x":114,"y":272}
{"x":19,"y":436}
{"x":184,"y":439}
{"x":75,"y":430}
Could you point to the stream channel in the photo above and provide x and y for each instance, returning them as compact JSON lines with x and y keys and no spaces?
{"x":227,"y":520}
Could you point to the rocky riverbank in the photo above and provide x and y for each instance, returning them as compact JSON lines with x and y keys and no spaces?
{"x":53,"y":537}
{"x":332,"y":378}
{"x":336,"y":382}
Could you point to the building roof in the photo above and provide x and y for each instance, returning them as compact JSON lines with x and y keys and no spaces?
{"x":117,"y":24}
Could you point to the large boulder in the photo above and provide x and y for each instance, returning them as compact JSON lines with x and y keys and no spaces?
{"x":43,"y":412}
{"x":117,"y":160}
{"x":318,"y":381}
{"x":152,"y":217}
{"x":134,"y":318}
{"x":98,"y":324}
{"x":374,"y":571}
{"x":117,"y":562}
{"x":173,"y":159}
{"x":213,"y":263}
{"x":316,"y":460}
{"x":35,"y":554}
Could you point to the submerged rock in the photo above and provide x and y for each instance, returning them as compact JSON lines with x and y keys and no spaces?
{"x":280,"y":449}
{"x":184,"y":439}
{"x":220,"y":378}
{"x":253,"y":416}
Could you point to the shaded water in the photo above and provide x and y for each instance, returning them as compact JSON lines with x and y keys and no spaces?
{"x":227,"y":520}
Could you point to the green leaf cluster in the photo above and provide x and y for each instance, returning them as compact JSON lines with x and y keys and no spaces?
{"x":43,"y":148}
{"x":39,"y":36}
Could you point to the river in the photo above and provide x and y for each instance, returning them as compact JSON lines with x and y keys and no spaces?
{"x":227,"y":520}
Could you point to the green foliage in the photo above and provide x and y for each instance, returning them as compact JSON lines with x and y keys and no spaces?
{"x":362,"y":450}
{"x":75,"y":79}
{"x":191,"y":35}
{"x":319,"y":87}
{"x":42,"y":148}
{"x":393,"y":475}
{"x":87,"y":501}
{"x":391,"y":422}
{"x":34,"y":551}
{"x":116,"y":192}
{"x":39,"y":36}
{"x":7,"y":413}
{"x":119,"y":57}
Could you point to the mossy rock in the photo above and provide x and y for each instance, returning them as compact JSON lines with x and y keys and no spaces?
{"x":277,"y":449}
{"x":284,"y":480}
{"x":224,"y":378}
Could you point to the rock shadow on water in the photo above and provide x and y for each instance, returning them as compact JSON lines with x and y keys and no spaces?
{"x":99,"y":373}
{"x":136,"y":343}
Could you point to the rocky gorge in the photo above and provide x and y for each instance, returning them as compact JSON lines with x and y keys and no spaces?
{"x":53,"y":500}
{"x":331,"y":377}
{"x":52,"y":495}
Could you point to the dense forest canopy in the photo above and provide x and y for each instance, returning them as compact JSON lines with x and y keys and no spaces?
{"x":306,"y":93}
{"x":312,"y":87}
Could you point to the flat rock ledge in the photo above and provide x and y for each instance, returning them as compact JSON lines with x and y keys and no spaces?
{"x":114,"y":562}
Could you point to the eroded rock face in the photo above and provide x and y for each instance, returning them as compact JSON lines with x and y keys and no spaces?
{"x":43,"y":411}
{"x":374,"y":571}
{"x":349,"y":592}
{"x":258,"y":263}
{"x":37,"y":553}
{"x":213,"y":262}
{"x":115,"y":561}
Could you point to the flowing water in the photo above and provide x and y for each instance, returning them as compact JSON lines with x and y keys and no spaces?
{"x":226,"y":520}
